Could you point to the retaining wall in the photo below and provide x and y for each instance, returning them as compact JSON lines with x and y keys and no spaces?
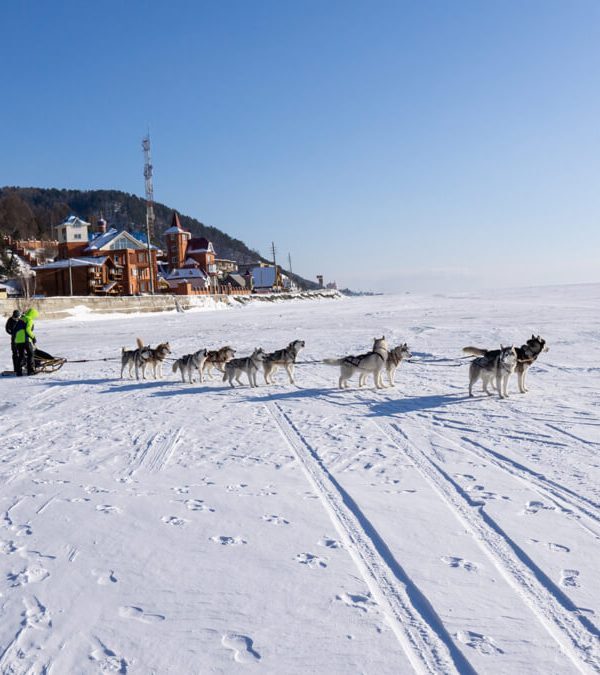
{"x":62,"y":307}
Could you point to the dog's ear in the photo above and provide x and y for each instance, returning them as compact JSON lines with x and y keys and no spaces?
{"x":501,"y":347}
{"x":532,"y":336}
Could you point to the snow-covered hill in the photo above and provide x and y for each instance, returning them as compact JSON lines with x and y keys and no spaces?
{"x":157,"y":527}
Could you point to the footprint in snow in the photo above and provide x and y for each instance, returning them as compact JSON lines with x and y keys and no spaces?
{"x":453,"y":561}
{"x":108,"y":661}
{"x":7,"y":547}
{"x":569,"y":578}
{"x":107,"y":509}
{"x":197,"y":505}
{"x":364,"y":603}
{"x":535,"y":506}
{"x":275,"y":520}
{"x":328,"y":542}
{"x":228,"y":541}
{"x":558,"y":548}
{"x":105,"y":578}
{"x":30,"y":575}
{"x":481,"y":643}
{"x":242,"y":647}
{"x":311,"y":560}
{"x":139,"y":614}
{"x":174,"y":520}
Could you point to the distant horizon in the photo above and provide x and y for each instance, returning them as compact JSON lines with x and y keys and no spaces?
{"x":429,"y":147}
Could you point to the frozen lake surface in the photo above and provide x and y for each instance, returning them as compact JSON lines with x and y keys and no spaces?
{"x":162,"y":527}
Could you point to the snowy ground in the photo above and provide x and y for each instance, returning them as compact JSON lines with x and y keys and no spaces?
{"x":157,"y":527}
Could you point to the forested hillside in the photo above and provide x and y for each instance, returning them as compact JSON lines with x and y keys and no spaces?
{"x":32,"y":212}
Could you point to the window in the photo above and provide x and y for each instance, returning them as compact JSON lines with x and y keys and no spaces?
{"x":77,"y":236}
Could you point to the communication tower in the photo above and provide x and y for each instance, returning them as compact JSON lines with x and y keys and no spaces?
{"x":149,"y":202}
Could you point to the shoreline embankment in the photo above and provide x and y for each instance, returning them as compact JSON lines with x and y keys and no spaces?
{"x":68,"y":306}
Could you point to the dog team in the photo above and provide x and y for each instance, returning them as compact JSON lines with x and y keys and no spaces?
{"x":491,"y":366}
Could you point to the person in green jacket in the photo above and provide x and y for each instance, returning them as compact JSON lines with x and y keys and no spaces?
{"x":25,"y":341}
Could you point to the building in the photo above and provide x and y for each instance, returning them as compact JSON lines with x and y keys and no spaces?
{"x":98,"y":263}
{"x":266,"y":278}
{"x":190,"y":259}
{"x":131,"y":255}
{"x":97,"y":275}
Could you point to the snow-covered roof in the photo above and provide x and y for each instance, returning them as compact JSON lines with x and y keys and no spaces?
{"x":110,"y":239}
{"x":74,"y":262}
{"x":177,"y":230}
{"x":200,"y":245}
{"x":74,"y":221}
{"x":181,"y":273}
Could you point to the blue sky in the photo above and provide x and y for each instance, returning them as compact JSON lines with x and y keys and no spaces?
{"x":387,"y":145}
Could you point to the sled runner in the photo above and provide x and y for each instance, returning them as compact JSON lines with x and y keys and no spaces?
{"x":44,"y":363}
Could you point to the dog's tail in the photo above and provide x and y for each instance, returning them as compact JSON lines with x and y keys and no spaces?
{"x":140,"y":343}
{"x":123,"y":350}
{"x":175,"y":366}
{"x":333,"y":362}
{"x":224,"y":376}
{"x":475,"y":351}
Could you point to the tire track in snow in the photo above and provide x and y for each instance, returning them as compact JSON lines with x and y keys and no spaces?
{"x":427,"y":644}
{"x":575,"y":633}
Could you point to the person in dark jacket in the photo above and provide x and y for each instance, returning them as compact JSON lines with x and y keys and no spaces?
{"x":10,"y":328}
{"x":25,"y":342}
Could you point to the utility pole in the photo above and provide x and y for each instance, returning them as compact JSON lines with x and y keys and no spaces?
{"x":290,"y":262}
{"x":149,"y":204}
{"x":273,"y":252}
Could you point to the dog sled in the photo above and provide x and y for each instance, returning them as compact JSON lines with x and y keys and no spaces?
{"x":43,"y":363}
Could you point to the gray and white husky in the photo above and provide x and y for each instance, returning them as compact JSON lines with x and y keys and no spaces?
{"x":527,"y":355}
{"x":155,"y":360}
{"x":394,"y":359}
{"x":217,"y":358}
{"x":189,"y":363}
{"x":249,"y":365}
{"x":496,"y":366}
{"x":134,"y":358}
{"x":282,"y":358}
{"x":371,"y":363}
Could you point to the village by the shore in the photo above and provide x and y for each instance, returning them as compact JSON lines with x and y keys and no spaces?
{"x":87,"y":265}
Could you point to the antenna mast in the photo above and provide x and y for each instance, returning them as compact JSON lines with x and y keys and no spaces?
{"x":149,"y":203}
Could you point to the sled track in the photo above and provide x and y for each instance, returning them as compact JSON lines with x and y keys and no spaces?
{"x":155,"y":453}
{"x":427,"y":644}
{"x":565,"y":498}
{"x":575,"y":633}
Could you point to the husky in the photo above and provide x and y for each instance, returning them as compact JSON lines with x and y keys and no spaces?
{"x":527,"y":354}
{"x":499,"y":365}
{"x":217,"y":359}
{"x":394,"y":359}
{"x":371,"y":363}
{"x":155,"y":360}
{"x":248,"y":365}
{"x":284,"y":358}
{"x":189,"y":363}
{"x":134,"y":357}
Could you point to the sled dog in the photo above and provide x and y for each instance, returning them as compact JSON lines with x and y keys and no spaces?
{"x":217,"y":358}
{"x":394,"y":359}
{"x":371,"y":363}
{"x":499,"y":367}
{"x":249,"y":365}
{"x":155,"y":360}
{"x":189,"y":363}
{"x":282,"y":358}
{"x":134,"y":358}
{"x":527,"y":354}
